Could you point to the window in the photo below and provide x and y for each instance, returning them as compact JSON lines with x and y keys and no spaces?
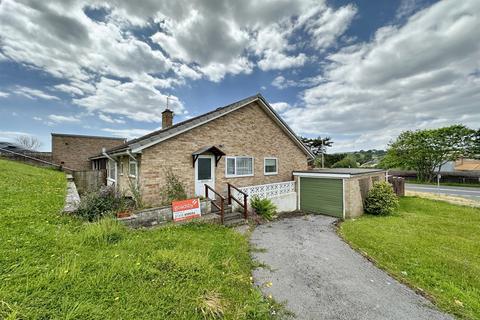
{"x":111,"y":170}
{"x":239,"y":167}
{"x":132,"y":168}
{"x":120,"y":170}
{"x":270,"y":166}
{"x":204,"y":170}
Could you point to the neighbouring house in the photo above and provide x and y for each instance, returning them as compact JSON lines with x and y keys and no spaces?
{"x":6,"y":146}
{"x":245,"y":143}
{"x":73,"y":151}
{"x":467,"y":165}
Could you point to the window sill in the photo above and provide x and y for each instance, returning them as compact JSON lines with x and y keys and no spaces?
{"x":244,"y":176}
{"x":270,"y":173}
{"x":111,"y":180}
{"x":131,"y":176}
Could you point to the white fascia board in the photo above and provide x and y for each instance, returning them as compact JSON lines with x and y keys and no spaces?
{"x":321,"y":175}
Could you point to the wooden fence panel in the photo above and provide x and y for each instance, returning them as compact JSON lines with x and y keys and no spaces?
{"x":89,"y":180}
{"x":398,"y":184}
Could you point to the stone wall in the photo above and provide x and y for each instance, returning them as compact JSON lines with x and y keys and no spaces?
{"x":73,"y":151}
{"x":248,"y":131}
{"x":161,"y":215}
{"x":356,"y":190}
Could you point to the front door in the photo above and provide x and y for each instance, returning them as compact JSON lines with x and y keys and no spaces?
{"x":204,"y":174}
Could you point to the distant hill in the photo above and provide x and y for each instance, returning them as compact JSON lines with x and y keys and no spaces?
{"x":364,"y":158}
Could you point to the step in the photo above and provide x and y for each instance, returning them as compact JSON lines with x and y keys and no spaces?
{"x":232,"y":216}
{"x":234,"y":222}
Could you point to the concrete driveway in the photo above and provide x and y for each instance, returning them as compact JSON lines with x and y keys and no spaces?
{"x":319,"y":276}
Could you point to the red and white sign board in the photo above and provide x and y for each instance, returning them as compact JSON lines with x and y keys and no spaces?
{"x":186,"y":209}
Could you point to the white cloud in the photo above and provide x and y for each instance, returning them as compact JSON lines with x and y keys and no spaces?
{"x":127,"y":133}
{"x":37,"y":118}
{"x":62,"y":119}
{"x":33,"y":94}
{"x":4,"y":94}
{"x":406,"y":8}
{"x":329,"y":24}
{"x":281,"y":82}
{"x":109,"y":119}
{"x":11,"y":135}
{"x":139,"y":101}
{"x":194,"y":40}
{"x":69,"y":89}
{"x":280,"y":106}
{"x":420,"y":75}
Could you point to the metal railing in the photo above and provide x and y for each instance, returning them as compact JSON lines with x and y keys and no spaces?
{"x":243,"y":204}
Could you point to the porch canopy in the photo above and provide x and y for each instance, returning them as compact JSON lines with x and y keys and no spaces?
{"x":209,"y":149}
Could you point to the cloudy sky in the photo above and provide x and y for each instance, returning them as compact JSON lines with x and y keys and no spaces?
{"x":360,"y":72}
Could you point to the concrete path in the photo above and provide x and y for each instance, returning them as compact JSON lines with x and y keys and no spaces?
{"x":321,"y":277}
{"x":464,"y":192}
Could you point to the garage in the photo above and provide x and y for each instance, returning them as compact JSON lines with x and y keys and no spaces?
{"x":337,"y":192}
{"x":322,"y":196}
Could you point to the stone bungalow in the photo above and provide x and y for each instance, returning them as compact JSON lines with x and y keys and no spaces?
{"x":245,"y":143}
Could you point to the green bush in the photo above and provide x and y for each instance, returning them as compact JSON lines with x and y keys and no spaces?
{"x":173,"y":189}
{"x":381,"y":200}
{"x":264,"y":207}
{"x":97,"y":204}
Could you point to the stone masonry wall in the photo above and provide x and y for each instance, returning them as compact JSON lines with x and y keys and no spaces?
{"x":356,"y":189}
{"x":73,"y":151}
{"x":248,"y":131}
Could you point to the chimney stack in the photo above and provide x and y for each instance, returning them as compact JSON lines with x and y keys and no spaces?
{"x":167,"y":118}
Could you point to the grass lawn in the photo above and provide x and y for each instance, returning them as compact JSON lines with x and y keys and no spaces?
{"x":431,"y":245}
{"x":54,"y":266}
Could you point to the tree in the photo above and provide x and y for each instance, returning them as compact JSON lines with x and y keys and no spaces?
{"x":318,"y":146}
{"x":427,"y":150}
{"x":347,"y":162}
{"x":331,"y":159}
{"x":28,"y":142}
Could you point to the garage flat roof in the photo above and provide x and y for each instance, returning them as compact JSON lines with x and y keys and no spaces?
{"x":336,"y":172}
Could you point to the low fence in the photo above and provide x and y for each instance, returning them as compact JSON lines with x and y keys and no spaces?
{"x":470,"y":177}
{"x":89,"y":180}
{"x":398,"y":185}
{"x":41,"y":159}
{"x":282,"y":194}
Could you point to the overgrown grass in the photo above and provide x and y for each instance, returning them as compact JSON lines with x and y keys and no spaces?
{"x":431,"y":245}
{"x":53,"y":266}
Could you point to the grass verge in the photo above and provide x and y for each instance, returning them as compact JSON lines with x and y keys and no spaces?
{"x":431,"y":245}
{"x":446,"y":184}
{"x":54,"y":266}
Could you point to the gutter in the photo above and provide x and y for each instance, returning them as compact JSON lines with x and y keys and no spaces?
{"x":106,"y":155}
{"x":131,"y":155}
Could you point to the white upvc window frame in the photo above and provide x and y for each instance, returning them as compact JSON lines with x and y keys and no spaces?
{"x":265,"y":165}
{"x":130,"y":162}
{"x":109,"y":169}
{"x":227,"y":175}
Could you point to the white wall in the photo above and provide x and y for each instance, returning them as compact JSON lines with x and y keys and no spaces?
{"x":285,"y":202}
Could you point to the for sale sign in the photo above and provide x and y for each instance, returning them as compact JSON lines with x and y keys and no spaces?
{"x":186,"y":209}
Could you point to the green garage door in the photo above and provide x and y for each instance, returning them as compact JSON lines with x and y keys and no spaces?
{"x":321,"y":195}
